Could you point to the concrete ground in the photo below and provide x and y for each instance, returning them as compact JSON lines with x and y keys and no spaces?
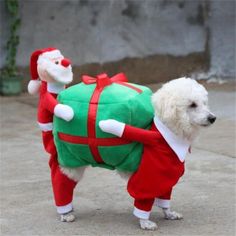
{"x":205,"y":195}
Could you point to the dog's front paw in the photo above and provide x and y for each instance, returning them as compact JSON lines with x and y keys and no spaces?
{"x":147,"y":224}
{"x":172,"y":215}
{"x":69,"y":217}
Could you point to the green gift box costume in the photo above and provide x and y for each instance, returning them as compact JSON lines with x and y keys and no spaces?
{"x":80,"y":142}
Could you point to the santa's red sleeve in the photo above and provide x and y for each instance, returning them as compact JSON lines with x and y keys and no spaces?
{"x":140,"y":135}
{"x":50,"y":102}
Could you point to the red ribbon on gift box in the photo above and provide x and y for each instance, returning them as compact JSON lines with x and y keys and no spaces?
{"x":103,"y":80}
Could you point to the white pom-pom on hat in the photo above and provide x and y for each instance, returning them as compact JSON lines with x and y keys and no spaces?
{"x":34,"y":86}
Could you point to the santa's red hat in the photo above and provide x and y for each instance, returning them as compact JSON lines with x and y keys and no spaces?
{"x":50,"y":53}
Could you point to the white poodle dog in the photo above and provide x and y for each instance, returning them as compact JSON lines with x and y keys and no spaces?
{"x":182,"y":105}
{"x":181,"y":109}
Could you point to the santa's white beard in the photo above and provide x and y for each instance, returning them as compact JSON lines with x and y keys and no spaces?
{"x":60,"y":73}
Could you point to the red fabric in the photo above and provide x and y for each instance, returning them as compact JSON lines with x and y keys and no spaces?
{"x":160,"y":168}
{"x":130,"y":86}
{"x":95,"y":141}
{"x":144,"y":204}
{"x":166,"y":196}
{"x":102,"y":80}
{"x":62,"y":186}
{"x":48,"y":142}
{"x":47,"y":103}
{"x":92,"y":114}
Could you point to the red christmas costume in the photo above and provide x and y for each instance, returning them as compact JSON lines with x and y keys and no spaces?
{"x":161,"y":166}
{"x":62,"y":186}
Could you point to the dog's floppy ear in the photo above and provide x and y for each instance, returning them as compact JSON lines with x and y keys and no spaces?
{"x":164,"y":105}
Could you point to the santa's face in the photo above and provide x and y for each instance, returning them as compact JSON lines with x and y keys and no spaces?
{"x":55,"y":70}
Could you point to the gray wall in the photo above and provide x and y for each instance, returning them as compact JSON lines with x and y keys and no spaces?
{"x":107,"y":31}
{"x":222,"y":38}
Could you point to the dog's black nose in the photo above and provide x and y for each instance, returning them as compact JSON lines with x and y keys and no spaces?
{"x":211,"y":119}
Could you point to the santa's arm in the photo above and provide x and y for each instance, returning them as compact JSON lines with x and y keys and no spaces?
{"x":50,"y":102}
{"x":62,"y":111}
{"x":129,"y":132}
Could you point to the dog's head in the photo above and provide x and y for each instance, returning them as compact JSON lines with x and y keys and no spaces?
{"x":182,"y":105}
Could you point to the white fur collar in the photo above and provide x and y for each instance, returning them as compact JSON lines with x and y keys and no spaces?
{"x":55,"y":87}
{"x":178,"y":145}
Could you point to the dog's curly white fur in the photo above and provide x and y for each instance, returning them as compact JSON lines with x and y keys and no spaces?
{"x":182,"y":105}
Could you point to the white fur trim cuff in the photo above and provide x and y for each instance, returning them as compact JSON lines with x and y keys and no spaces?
{"x":141,"y":214}
{"x":64,"y":209}
{"x":45,"y":126}
{"x":163,"y":203}
{"x":34,"y":86}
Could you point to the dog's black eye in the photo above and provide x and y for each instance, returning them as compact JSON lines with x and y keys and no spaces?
{"x":193,"y":105}
{"x":57,"y":62}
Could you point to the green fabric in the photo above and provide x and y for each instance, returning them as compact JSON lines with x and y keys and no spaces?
{"x":116,"y":102}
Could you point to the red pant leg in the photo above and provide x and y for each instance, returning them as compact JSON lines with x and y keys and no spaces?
{"x":63,"y":187}
{"x":143,"y":208}
{"x":144,"y":204}
{"x":164,"y":200}
{"x":48,"y":142}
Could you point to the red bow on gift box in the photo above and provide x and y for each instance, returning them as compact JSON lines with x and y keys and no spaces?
{"x":103,"y":80}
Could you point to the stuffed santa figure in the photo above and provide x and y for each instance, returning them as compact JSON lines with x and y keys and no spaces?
{"x":50,"y":72}
{"x":162,"y":165}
